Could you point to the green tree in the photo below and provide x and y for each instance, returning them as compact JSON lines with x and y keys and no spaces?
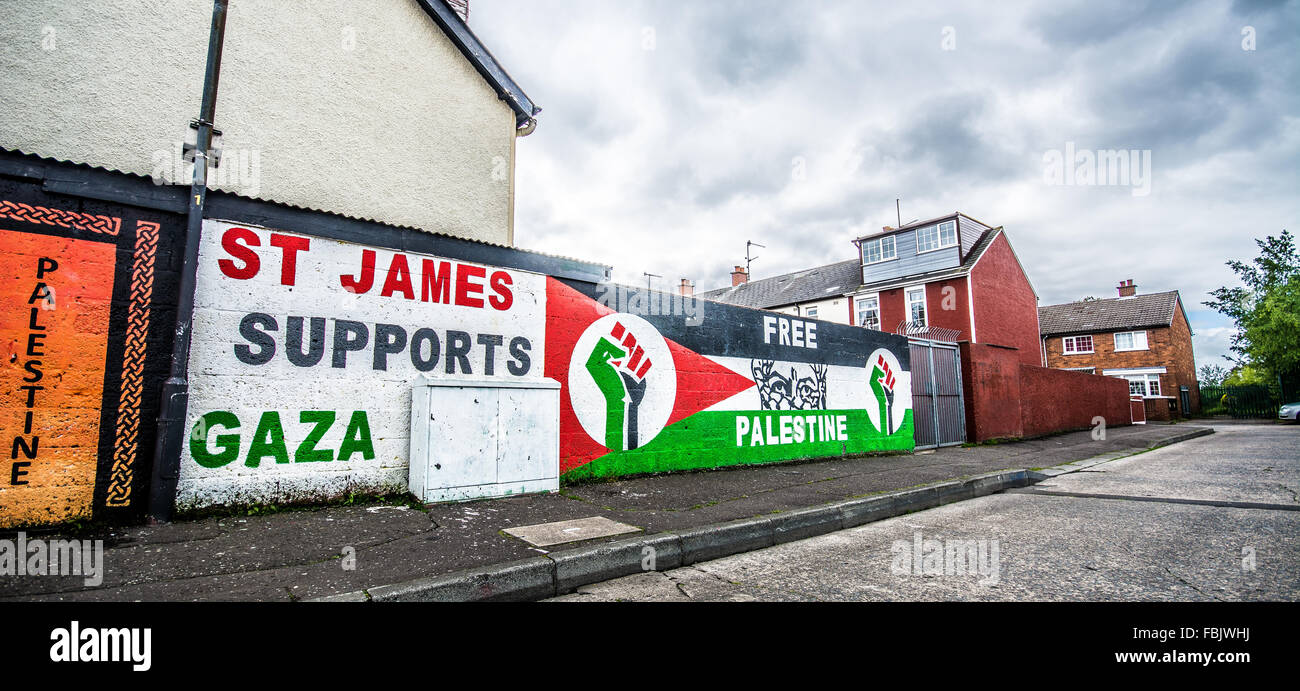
{"x":1245,"y":376}
{"x":1212,"y":375}
{"x":1266,"y":308}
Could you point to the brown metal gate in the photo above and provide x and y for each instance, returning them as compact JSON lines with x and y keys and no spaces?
{"x":938,"y":412}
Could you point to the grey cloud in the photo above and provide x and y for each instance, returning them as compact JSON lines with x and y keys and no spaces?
{"x":1087,"y":22}
{"x":706,"y":125}
{"x":1255,"y":7}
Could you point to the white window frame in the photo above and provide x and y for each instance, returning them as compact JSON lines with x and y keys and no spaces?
{"x":893,"y":250}
{"x":1144,"y":375}
{"x":1134,"y":334}
{"x":938,"y":229}
{"x":857,"y":314}
{"x":925,"y":307}
{"x":1089,"y":370}
{"x":1074,"y":340}
{"x":810,"y":312}
{"x":1146,"y":380}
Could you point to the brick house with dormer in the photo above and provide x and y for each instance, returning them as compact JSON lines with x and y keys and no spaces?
{"x":1144,"y":339}
{"x":950,"y":278}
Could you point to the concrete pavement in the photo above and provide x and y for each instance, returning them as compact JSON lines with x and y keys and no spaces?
{"x":1214,"y":518}
{"x":305,"y":554}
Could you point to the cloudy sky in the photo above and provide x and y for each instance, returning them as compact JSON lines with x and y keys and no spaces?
{"x":675,"y":130}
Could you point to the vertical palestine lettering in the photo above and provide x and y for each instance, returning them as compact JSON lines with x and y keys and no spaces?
{"x":27,"y":444}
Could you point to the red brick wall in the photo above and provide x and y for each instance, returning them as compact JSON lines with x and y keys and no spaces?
{"x":1006,"y":309}
{"x":1007,"y":399}
{"x":991,"y":390}
{"x":948,"y":306}
{"x":892,"y":309}
{"x":1158,"y":409}
{"x":1168,"y":347}
{"x":1183,"y":370}
{"x":1057,"y":401}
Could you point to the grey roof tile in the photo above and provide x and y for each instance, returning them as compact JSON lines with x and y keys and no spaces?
{"x":831,"y":280}
{"x":1110,"y":314}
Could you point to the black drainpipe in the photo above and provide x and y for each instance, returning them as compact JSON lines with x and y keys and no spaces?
{"x":176,"y":391}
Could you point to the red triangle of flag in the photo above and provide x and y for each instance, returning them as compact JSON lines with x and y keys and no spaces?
{"x":701,"y":382}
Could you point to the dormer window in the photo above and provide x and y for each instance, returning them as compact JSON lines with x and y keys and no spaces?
{"x":879,"y":250}
{"x":936,"y":237}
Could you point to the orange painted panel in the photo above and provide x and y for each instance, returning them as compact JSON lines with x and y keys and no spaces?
{"x":55,"y":298}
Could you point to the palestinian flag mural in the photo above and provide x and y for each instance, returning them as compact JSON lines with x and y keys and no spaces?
{"x":648,"y":390}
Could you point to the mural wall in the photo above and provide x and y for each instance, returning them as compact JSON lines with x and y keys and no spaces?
{"x":305,"y":351}
{"x":703,"y":385}
{"x":82,"y":366}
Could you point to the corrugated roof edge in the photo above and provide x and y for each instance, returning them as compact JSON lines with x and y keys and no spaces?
{"x":484,"y":62}
{"x":173,"y":198}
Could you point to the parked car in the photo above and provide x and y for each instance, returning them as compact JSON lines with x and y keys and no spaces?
{"x":1290,"y":411}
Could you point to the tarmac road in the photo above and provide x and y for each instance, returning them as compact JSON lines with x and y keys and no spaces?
{"x":1214,"y":518}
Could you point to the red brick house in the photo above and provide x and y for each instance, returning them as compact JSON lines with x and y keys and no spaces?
{"x":1144,"y":339}
{"x":949,"y":278}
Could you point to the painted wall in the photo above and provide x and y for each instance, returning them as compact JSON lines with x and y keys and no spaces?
{"x":991,"y":391}
{"x":305,"y":350}
{"x":1055,"y":400}
{"x":84,"y":357}
{"x":1006,"y":308}
{"x":947,"y":306}
{"x":90,"y":291}
{"x":1007,"y":399}
{"x":361,"y":108}
{"x":735,"y":386}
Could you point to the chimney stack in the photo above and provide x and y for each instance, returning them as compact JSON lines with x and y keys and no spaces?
{"x":686,"y":288}
{"x":739,"y":276}
{"x":1127,"y":289}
